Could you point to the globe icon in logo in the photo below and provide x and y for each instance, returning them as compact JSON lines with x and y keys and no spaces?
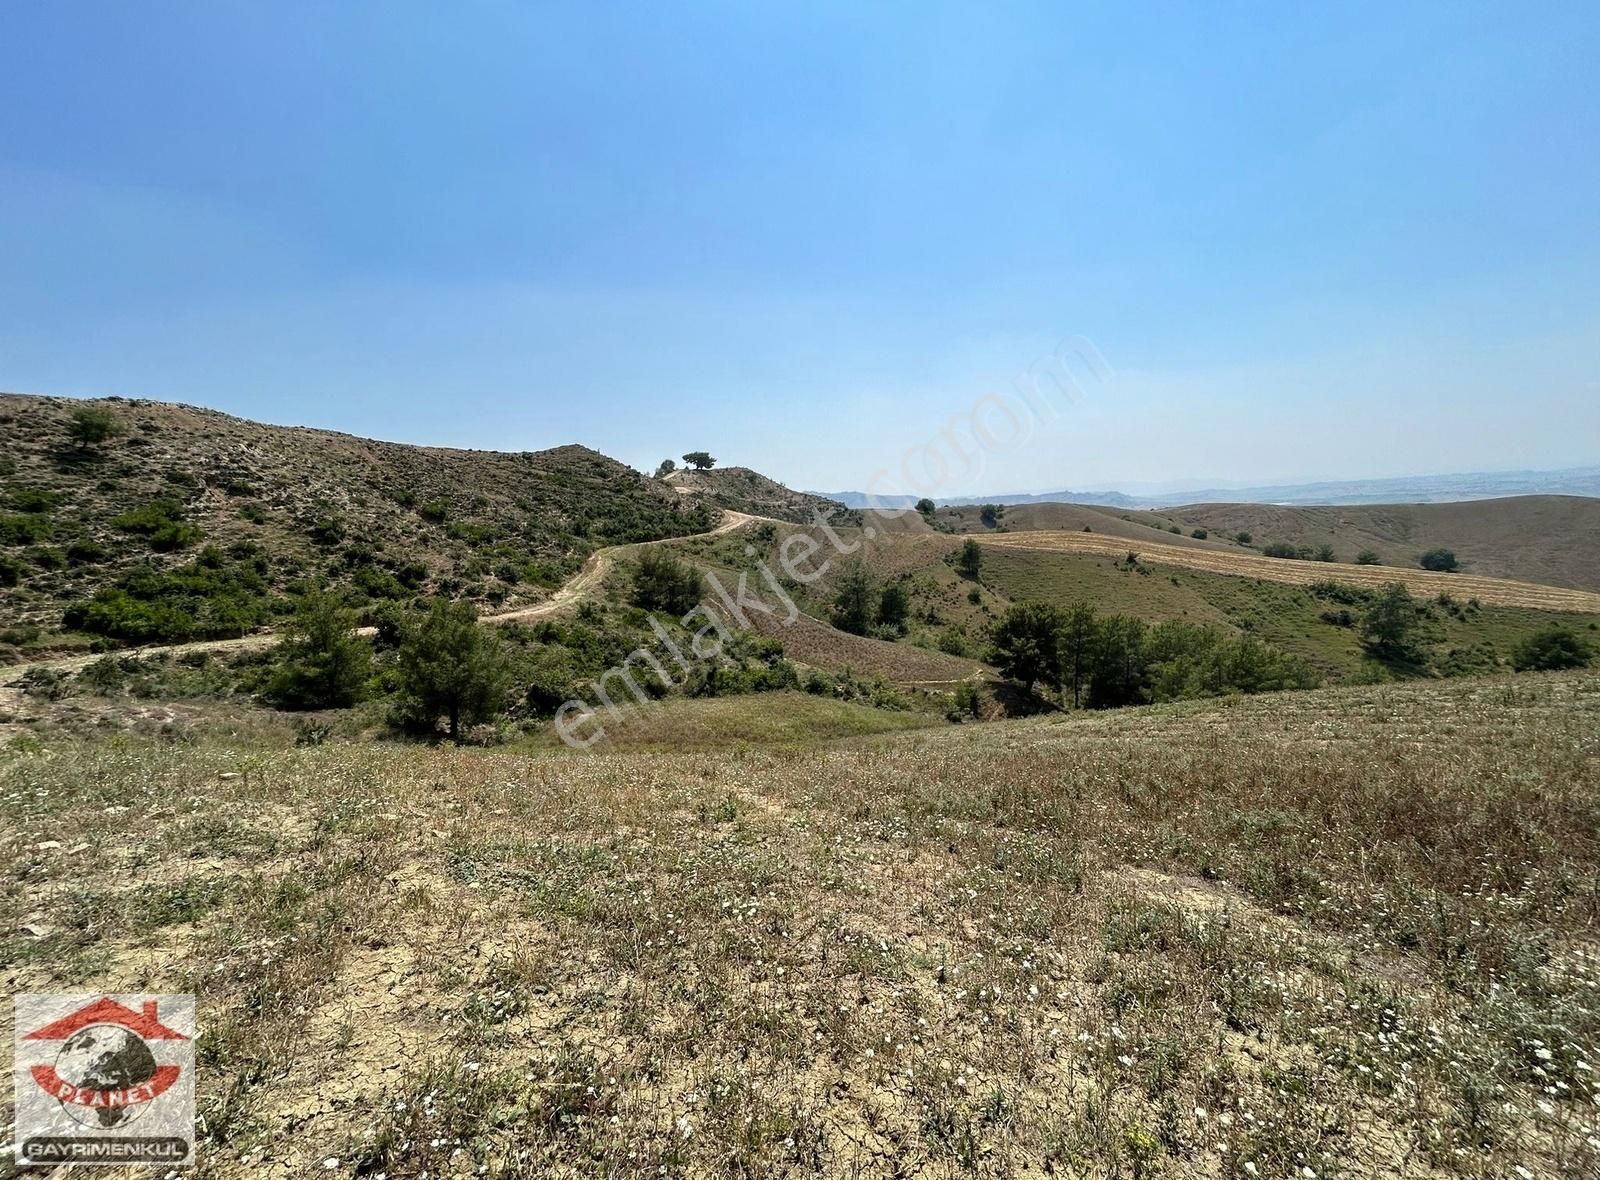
{"x":105,"y":1057}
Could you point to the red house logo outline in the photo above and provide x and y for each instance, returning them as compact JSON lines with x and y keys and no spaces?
{"x":105,"y":1010}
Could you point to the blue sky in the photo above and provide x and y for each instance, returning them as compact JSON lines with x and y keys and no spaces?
{"x":1309,"y":241}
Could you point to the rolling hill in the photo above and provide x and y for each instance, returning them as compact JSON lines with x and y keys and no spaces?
{"x":180,"y":492}
{"x":1550,"y":539}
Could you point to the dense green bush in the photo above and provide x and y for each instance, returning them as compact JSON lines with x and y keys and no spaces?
{"x":1551,"y":649}
{"x":322,"y":662}
{"x":91,"y":425}
{"x":161,"y":523}
{"x":1389,"y":627}
{"x":34,"y":499}
{"x":854,"y":599}
{"x":209,"y":598}
{"x":86,"y":552}
{"x":1439,"y":560}
{"x":25,"y":529}
{"x":449,"y":666}
{"x":1116,"y":660}
{"x":894,"y":605}
{"x":663,"y":583}
{"x":969,"y":559}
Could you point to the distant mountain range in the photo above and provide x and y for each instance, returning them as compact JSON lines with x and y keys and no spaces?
{"x":1411,"y":489}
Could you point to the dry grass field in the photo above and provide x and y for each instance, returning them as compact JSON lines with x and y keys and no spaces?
{"x":1340,"y":933}
{"x":1244,"y":564}
{"x":1533,"y":538}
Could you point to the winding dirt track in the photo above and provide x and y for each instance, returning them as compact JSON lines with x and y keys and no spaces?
{"x":569,"y":593}
{"x":1489,"y":591}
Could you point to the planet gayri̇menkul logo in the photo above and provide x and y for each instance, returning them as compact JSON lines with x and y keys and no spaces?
{"x":104,"y":1079}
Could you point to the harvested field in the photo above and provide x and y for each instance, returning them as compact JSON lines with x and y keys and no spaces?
{"x":1491,"y":591}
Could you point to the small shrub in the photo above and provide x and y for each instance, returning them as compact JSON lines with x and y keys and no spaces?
{"x":86,"y":552}
{"x":34,"y":499}
{"x":92,"y":425}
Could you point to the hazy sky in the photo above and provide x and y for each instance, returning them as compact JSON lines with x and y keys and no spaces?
{"x":1308,"y":241}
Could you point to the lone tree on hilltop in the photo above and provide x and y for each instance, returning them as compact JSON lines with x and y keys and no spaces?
{"x":699,"y":460}
{"x":925,"y":506}
{"x":450,"y":665}
{"x":666,"y":468}
{"x":93,"y":425}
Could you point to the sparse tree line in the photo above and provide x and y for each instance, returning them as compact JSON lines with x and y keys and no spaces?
{"x":1436,"y":560}
{"x":1090,"y":660}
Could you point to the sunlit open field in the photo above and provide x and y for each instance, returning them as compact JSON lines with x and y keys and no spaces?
{"x":1341,"y":933}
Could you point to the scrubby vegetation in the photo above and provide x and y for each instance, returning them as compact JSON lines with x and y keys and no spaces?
{"x":380,"y":519}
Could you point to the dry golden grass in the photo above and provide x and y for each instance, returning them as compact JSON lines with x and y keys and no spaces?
{"x":1342,"y":933}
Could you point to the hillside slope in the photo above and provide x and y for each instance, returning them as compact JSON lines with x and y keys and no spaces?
{"x":1549,"y":539}
{"x":187,"y":503}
